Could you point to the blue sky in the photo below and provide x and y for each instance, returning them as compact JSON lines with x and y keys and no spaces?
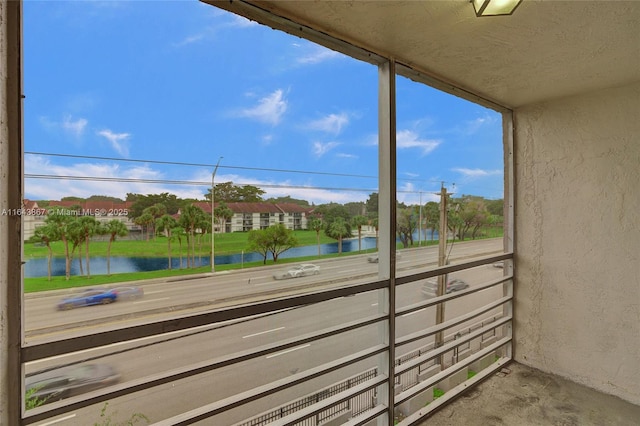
{"x":185,"y":82}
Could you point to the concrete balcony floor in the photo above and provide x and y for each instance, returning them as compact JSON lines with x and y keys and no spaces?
{"x":528,"y":397}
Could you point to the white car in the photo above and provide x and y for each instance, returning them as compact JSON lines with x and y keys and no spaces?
{"x":298,"y":271}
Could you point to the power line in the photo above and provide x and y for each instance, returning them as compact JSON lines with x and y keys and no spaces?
{"x":197,"y":183}
{"x":177,"y":163}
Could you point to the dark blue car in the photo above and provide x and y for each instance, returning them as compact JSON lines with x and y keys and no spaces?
{"x":100,"y":296}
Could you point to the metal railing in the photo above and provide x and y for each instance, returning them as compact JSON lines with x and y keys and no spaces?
{"x":361,"y":397}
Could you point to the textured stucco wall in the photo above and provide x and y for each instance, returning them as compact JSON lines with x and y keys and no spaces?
{"x":578,"y":239}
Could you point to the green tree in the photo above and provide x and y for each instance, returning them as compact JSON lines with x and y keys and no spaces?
{"x":231,"y":193}
{"x":156,"y":211}
{"x":222,"y":215}
{"x":47,"y":234}
{"x":376,"y":224}
{"x":358,"y":222}
{"x":287,"y":200}
{"x":275,"y":239}
{"x":114,"y":229}
{"x":105,"y":198}
{"x":317,"y":225}
{"x":76,"y":236}
{"x":372,"y":205}
{"x":60,"y":219}
{"x":495,"y":207}
{"x":431,"y":213}
{"x":406,"y":225}
{"x":165,"y":224}
{"x":338,"y":229}
{"x":141,"y":202}
{"x":356,"y":208}
{"x":145,"y":220}
{"x":190,"y":217}
{"x":89,"y":227}
{"x":179,"y":233}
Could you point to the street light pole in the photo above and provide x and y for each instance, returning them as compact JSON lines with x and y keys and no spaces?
{"x":213,"y":220}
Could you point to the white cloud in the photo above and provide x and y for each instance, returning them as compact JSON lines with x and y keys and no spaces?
{"x":76,"y":128}
{"x":332,"y":123}
{"x":315,"y":54}
{"x":476,"y":173}
{"x":189,"y":40}
{"x":472,"y":126}
{"x":270,"y":109}
{"x":320,"y":149}
{"x":242,"y":22}
{"x":119,"y":141}
{"x":55,"y":189}
{"x":345,"y":155}
{"x":406,"y":139}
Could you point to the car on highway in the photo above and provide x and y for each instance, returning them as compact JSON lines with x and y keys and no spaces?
{"x":128,"y":292}
{"x":298,"y":271}
{"x":430,"y":287}
{"x":88,"y":297}
{"x":59,"y":383}
{"x":374,"y":258}
{"x":456,"y":284}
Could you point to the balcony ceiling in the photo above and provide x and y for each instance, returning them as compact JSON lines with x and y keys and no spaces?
{"x":545,"y":50}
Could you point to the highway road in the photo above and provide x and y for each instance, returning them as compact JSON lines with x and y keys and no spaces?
{"x":161,"y":353}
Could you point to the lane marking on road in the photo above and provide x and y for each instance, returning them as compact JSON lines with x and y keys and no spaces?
{"x":154,"y":292}
{"x":153,"y":300}
{"x":374,"y":304}
{"x":414,"y":312}
{"x":263,"y":332}
{"x":288,"y":350}
{"x":61,"y":419}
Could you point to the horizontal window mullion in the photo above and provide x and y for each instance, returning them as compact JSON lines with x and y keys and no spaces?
{"x":406,"y":366}
{"x":367,"y":416}
{"x":240,"y":399}
{"x":455,"y":295}
{"x":442,"y":270}
{"x":433,"y":380}
{"x":329,"y":402}
{"x":452,"y":322}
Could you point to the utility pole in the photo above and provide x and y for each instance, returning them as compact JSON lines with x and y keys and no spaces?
{"x":442,"y":259}
{"x":213,"y":220}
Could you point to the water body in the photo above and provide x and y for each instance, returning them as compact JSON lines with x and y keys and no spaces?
{"x":38,"y":267}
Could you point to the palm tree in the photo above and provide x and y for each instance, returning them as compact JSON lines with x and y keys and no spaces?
{"x":317,"y":225}
{"x":47,"y":233}
{"x":359,"y":222}
{"x":114,"y":228}
{"x":88,"y":226}
{"x":75,"y":235}
{"x":337,"y":230}
{"x":189,"y":219}
{"x":223,"y":214}
{"x":374,"y":223}
{"x":166,"y":223}
{"x":146,"y":220}
{"x":156,"y":211}
{"x":178,"y":232}
{"x":60,"y":219}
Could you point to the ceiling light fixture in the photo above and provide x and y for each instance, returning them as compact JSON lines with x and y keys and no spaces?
{"x":494,"y":7}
